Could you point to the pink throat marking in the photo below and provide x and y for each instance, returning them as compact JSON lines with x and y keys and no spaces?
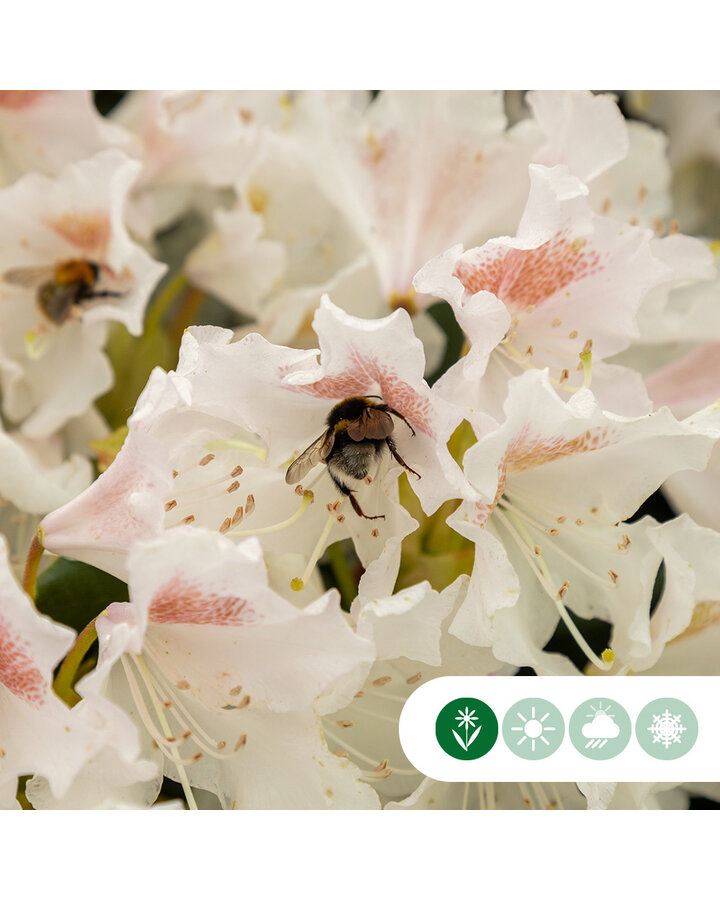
{"x":88,"y":231}
{"x":527,"y":452}
{"x":18,"y":671}
{"x":184,"y":602}
{"x":524,"y":278}
{"x":17,"y":100}
{"x":365,"y":375}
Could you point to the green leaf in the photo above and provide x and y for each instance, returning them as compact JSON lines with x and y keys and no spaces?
{"x":442,"y":313}
{"x":133,"y":358}
{"x":73,"y":593}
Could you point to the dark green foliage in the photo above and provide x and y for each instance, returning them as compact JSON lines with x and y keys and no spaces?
{"x":73,"y":593}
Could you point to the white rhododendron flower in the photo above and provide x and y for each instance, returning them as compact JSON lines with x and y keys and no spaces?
{"x":417,"y":171}
{"x":687,"y":384}
{"x":281,"y":246}
{"x":38,"y":733}
{"x":461,"y":155}
{"x":583,"y":131}
{"x":236,"y":262}
{"x":689,"y":602}
{"x":44,"y":131}
{"x":68,"y":267}
{"x":691,"y":122}
{"x":272,"y":386}
{"x":210,"y":445}
{"x":623,"y":163}
{"x":35,"y":477}
{"x":685,"y":308}
{"x":569,"y":282}
{"x":191,"y":143}
{"x":409,"y":403}
{"x":224,"y":678}
{"x":558,"y":482}
{"x":412,"y":646}
{"x":184,"y":463}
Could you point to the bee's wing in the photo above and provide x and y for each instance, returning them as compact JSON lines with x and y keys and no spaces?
{"x":59,"y":304}
{"x":317,"y":452}
{"x":28,"y":276}
{"x":373,"y":423}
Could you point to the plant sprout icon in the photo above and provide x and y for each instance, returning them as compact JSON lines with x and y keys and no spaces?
{"x":533,"y":729}
{"x":468,"y":719}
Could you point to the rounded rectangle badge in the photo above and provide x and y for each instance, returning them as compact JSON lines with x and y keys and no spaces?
{"x":564,"y":728}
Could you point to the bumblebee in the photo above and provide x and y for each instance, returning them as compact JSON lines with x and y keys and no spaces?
{"x":64,"y":290}
{"x":358,"y":433}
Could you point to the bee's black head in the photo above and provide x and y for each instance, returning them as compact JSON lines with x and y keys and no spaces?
{"x":349,"y":409}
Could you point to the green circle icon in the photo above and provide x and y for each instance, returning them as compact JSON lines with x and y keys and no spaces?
{"x":466,"y":728}
{"x":600,"y":728}
{"x":666,"y":728}
{"x":533,"y":728}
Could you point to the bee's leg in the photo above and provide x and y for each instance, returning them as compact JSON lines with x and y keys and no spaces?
{"x":394,"y":412}
{"x":344,"y":489}
{"x":391,"y":446}
{"x":98,"y":294}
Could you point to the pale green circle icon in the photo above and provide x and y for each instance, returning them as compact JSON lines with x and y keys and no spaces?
{"x":666,"y":728}
{"x":533,"y":728}
{"x":600,"y":728}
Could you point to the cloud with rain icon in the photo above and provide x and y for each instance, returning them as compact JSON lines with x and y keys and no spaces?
{"x":601,"y":730}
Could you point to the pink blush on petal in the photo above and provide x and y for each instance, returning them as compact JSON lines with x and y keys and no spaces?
{"x":183,"y":602}
{"x":526,"y":452}
{"x":526,"y":278}
{"x":89,"y":232}
{"x":338,"y":387}
{"x":16,"y":100}
{"x":366,"y":374}
{"x":18,"y":671}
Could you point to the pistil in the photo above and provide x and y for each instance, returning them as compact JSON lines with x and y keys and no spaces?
{"x":297,"y":584}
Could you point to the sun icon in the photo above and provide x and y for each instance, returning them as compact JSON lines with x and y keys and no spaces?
{"x":533,"y":728}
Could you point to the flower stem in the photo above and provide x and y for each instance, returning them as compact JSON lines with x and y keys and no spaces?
{"x":32,"y":564}
{"x":164,"y":300}
{"x":65,"y":679}
{"x":186,"y":312}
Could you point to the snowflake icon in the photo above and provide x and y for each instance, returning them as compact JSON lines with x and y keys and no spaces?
{"x":667,"y":729}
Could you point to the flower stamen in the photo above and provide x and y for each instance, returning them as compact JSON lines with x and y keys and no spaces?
{"x":526,"y":545}
{"x":173,"y":754}
{"x":231,"y":444}
{"x":307,"y":499}
{"x":511,"y":508}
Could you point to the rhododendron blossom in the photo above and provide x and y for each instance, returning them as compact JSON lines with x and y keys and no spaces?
{"x":38,"y":733}
{"x":310,"y":398}
{"x":44,"y":131}
{"x":558,"y":480}
{"x":224,"y":678}
{"x":218,"y":459}
{"x":571,"y":281}
{"x":51,"y":360}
